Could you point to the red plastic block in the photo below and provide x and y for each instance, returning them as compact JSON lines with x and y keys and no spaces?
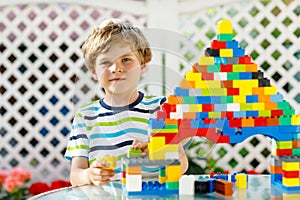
{"x":276,"y":113}
{"x":207,"y":107}
{"x":209,"y":121}
{"x":284,"y":152}
{"x":233,"y":91}
{"x":228,"y":114}
{"x":215,"y":44}
{"x":226,"y":68}
{"x":207,"y":76}
{"x":235,"y":123}
{"x":290,"y":174}
{"x":260,"y":121}
{"x":245,"y":59}
{"x":170,"y":137}
{"x":161,"y":114}
{"x":184,"y":123}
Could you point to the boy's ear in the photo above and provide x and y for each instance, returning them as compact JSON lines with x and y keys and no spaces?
{"x":94,"y":74}
{"x":144,"y":67}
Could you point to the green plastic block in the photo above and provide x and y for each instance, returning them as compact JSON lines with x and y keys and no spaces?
{"x":213,"y":68}
{"x":172,"y":185}
{"x":296,"y":152}
{"x":284,"y":121}
{"x":162,"y":172}
{"x":189,"y":100}
{"x":134,"y":153}
{"x":233,"y":76}
{"x":224,"y":37}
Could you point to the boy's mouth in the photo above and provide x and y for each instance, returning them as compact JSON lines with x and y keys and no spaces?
{"x":117,"y":79}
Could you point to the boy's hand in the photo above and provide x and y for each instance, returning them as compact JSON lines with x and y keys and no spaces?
{"x":98,"y":175}
{"x":141,"y":144}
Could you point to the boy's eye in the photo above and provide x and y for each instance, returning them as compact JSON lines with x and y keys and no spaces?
{"x":126,"y":59}
{"x":105,"y":63}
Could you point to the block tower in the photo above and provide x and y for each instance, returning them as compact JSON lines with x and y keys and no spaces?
{"x":226,"y":98}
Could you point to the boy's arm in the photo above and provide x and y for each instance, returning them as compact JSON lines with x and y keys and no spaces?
{"x":183,"y":159}
{"x":82,"y":174}
{"x":79,"y":171}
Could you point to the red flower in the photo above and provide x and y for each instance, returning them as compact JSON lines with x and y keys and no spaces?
{"x":59,"y":184}
{"x":38,"y":187}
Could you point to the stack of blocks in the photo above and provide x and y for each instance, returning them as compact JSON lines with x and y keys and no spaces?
{"x":226,"y":99}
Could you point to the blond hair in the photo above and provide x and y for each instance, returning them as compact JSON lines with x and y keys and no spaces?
{"x":102,"y":37}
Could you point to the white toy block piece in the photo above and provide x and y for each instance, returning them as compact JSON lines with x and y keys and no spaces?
{"x":171,"y":155}
{"x":220,"y":76}
{"x":176,"y":115}
{"x":187,"y":185}
{"x":195,"y":92}
{"x":134,"y":183}
{"x":233,"y":107}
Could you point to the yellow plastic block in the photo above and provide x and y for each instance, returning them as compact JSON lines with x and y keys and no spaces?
{"x":224,"y":27}
{"x":200,"y":84}
{"x":226,"y":53}
{"x":157,"y":143}
{"x":295,"y":119}
{"x":239,"y":99}
{"x":111,"y":160}
{"x":195,"y":107}
{"x":166,"y":130}
{"x":214,"y":115}
{"x":241,"y":181}
{"x":245,"y":106}
{"x":155,"y":154}
{"x":173,"y":173}
{"x":192,"y":76}
{"x":245,"y":83}
{"x":206,"y":60}
{"x":245,"y":91}
{"x":161,"y":179}
{"x":258,"y":106}
{"x":286,"y":196}
{"x":123,"y":181}
{"x":213,"y":84}
{"x":270,"y":90}
{"x":290,"y":166}
{"x":284,"y":144}
{"x":292,"y":182}
{"x":171,"y":148}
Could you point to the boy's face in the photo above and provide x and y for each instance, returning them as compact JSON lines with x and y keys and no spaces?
{"x":118,"y":70}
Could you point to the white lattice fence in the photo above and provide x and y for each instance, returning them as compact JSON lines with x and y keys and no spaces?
{"x":269,"y":31}
{"x":43,"y":80}
{"x":42,"y":71}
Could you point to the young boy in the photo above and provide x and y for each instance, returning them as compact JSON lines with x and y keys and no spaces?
{"x":116,"y":54}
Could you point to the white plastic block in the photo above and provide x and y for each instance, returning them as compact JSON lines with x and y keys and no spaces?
{"x":187,"y":185}
{"x":134,"y":183}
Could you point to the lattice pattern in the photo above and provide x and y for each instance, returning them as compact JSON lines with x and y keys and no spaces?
{"x":269,"y":31}
{"x":41,"y":67}
{"x":43,"y":79}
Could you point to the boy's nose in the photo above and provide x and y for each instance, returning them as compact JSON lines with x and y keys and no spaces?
{"x":116,"y":68}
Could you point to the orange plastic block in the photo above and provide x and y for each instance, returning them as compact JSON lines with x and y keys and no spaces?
{"x":296,"y":144}
{"x":264,"y":98}
{"x":189,"y":115}
{"x":271,"y":106}
{"x":187,"y":84}
{"x":224,"y":187}
{"x":258,"y":91}
{"x":272,"y":121}
{"x":247,"y":122}
{"x":172,"y":100}
{"x":171,"y":121}
{"x":226,"y":84}
{"x":251,"y":67}
{"x":199,"y":68}
{"x":276,"y":169}
{"x":134,"y":169}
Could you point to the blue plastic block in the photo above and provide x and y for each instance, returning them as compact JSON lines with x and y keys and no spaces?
{"x":201,"y":115}
{"x":289,"y":129}
{"x":181,"y":92}
{"x":152,"y":188}
{"x":276,"y":98}
{"x":204,"y":100}
{"x":212,"y":185}
{"x":156,"y":123}
{"x":239,"y":114}
{"x":233,"y":44}
{"x":251,"y":98}
{"x":215,"y":99}
{"x":251,"y":113}
{"x":220,"y":107}
{"x":221,"y":176}
{"x":238,"y":52}
{"x":276,"y":178}
{"x":245,"y":75}
{"x":220,"y":60}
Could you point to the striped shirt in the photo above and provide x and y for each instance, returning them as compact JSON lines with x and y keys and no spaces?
{"x":100,"y":130}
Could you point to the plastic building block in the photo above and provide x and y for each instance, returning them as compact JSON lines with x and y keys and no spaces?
{"x":224,"y":187}
{"x":201,"y":187}
{"x":186,"y":185}
{"x":241,"y":181}
{"x":111,"y":160}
